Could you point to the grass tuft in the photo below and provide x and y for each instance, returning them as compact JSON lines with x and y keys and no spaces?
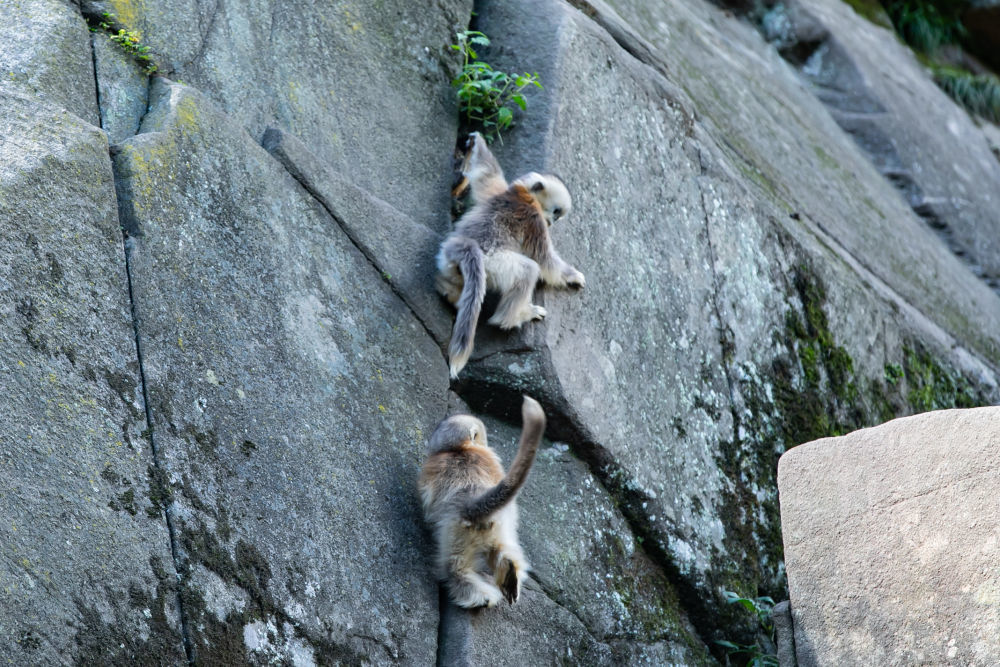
{"x":978,"y":93}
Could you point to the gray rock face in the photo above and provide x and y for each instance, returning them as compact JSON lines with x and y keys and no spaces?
{"x":403,"y":249}
{"x":85,"y":565}
{"x":364,"y":85}
{"x":802,"y":166}
{"x":916,"y":136}
{"x":122,"y":89}
{"x":687,"y":363}
{"x":753,"y":283}
{"x":46,"y":52}
{"x":891,"y":542}
{"x":781,"y":616}
{"x":290,"y":393}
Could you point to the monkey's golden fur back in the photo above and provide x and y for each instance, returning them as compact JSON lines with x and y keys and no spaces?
{"x":469,"y":466}
{"x":469,"y":504}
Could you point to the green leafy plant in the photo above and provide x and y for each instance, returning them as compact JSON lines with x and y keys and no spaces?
{"x":893,"y":374}
{"x":927,"y":25}
{"x":130,"y":41}
{"x":487,"y":96}
{"x":755,"y":654}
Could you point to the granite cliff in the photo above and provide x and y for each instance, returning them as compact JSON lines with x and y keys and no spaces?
{"x":223,"y":352}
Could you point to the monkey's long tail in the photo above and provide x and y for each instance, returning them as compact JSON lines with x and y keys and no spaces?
{"x":532,"y":428}
{"x":469,"y":257}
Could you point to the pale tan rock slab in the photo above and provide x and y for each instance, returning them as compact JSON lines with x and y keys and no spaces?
{"x":892,"y":544}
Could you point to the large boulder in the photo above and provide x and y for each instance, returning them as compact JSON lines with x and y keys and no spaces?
{"x":86,"y":573}
{"x":290,"y":392}
{"x":891,"y":542}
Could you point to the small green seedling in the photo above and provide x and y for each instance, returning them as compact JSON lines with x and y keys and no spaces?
{"x":756,"y":655}
{"x":486,"y":96}
{"x":130,"y":41}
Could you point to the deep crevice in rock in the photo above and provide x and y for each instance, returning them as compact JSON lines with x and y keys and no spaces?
{"x":167,"y":512}
{"x":97,"y":86}
{"x":157,"y":468}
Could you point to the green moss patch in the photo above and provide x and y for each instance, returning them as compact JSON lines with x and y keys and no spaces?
{"x":812,"y":390}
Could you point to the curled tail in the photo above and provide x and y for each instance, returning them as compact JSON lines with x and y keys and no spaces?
{"x":469,"y":257}
{"x":532,"y":428}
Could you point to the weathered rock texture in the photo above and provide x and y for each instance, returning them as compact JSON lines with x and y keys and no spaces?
{"x":46,"y":52}
{"x":929,"y":148}
{"x":238,"y":290}
{"x":85,"y":562}
{"x":364,"y":84}
{"x":711,"y":248}
{"x":891,"y":542}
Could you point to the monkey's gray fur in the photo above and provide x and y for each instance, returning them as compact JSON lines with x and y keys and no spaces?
{"x":502,"y":243}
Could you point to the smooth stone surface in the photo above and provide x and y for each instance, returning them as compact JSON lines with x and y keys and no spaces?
{"x":891,"y":542}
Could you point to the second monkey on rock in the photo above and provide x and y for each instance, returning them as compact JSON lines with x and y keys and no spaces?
{"x":501,"y":244}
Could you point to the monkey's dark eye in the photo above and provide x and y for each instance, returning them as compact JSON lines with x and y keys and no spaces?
{"x":557,"y":212}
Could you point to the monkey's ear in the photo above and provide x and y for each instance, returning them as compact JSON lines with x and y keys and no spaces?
{"x":537,"y":187}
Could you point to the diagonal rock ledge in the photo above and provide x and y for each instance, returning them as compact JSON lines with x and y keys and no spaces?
{"x":401,"y":249}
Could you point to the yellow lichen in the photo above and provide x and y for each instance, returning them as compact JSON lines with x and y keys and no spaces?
{"x":186,"y":115}
{"x":128,"y":12}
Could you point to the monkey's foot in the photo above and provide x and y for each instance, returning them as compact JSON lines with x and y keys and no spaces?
{"x":472,"y":592}
{"x":529,"y":313}
{"x":576,"y":279}
{"x":509,"y":580}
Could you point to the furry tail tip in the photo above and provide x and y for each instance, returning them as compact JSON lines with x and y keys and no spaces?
{"x":531,"y":411}
{"x":457,"y":362}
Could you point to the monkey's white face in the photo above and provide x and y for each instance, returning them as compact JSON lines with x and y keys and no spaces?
{"x":550,"y":193}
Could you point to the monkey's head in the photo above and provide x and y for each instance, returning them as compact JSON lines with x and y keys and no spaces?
{"x":550,"y":193}
{"x":456,"y":431}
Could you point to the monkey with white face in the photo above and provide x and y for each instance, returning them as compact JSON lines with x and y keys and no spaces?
{"x":502,"y":243}
{"x":470,"y":507}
